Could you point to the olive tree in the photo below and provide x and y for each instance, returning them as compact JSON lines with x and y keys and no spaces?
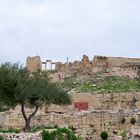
{"x":18,"y":87}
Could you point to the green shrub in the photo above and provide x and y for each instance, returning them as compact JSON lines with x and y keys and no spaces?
{"x":123,"y":120}
{"x":59,"y":134}
{"x":11,"y":130}
{"x":1,"y":138}
{"x":123,"y":134}
{"x":104,"y":135}
{"x":46,"y":135}
{"x":133,"y":121}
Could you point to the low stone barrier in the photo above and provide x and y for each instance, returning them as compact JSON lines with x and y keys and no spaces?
{"x":22,"y":136}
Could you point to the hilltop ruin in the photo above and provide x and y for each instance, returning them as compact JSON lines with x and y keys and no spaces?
{"x":111,"y":65}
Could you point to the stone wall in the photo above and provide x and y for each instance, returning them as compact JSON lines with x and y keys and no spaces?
{"x":102,"y":62}
{"x":111,"y":62}
{"x":21,"y":136}
{"x":87,"y":124}
{"x":34,"y":64}
{"x":105,"y":113}
{"x":112,"y":65}
{"x":110,"y":101}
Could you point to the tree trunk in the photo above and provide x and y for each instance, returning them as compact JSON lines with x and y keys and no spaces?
{"x":27,"y":127}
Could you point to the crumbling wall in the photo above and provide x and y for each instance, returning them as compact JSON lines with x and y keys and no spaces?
{"x":112,"y":65}
{"x":83,"y":66}
{"x":34,"y":64}
{"x":104,"y":114}
{"x":126,"y":71}
{"x":87,"y":125}
{"x":110,"y":101}
{"x":119,"y":61}
{"x":99,"y":64}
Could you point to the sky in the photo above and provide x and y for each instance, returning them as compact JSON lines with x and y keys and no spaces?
{"x":56,"y":29}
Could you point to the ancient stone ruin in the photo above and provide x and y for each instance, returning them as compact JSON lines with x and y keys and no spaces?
{"x":34,"y":64}
{"x":104,"y":114}
{"x":111,"y":65}
{"x":89,"y":114}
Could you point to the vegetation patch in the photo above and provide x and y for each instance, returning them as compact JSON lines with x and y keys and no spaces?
{"x":104,"y":135}
{"x":59,"y":134}
{"x":112,"y":84}
{"x":133,"y":121}
{"x":10,"y":131}
{"x":1,"y":138}
{"x":101,"y":84}
{"x":123,"y":120}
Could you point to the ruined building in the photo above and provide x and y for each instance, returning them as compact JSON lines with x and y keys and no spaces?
{"x":111,"y":65}
{"x":34,"y":64}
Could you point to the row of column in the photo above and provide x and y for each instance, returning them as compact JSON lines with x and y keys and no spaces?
{"x":50,"y":63}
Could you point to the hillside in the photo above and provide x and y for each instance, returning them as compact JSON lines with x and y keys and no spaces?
{"x":99,"y":83}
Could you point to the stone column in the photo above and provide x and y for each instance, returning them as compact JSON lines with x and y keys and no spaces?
{"x":51,"y":65}
{"x":46,"y":65}
{"x":67,"y":61}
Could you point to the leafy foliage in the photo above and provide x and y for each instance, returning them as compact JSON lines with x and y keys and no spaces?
{"x":123,"y":120}
{"x":10,"y":131}
{"x":104,"y":135}
{"x":8,"y":83}
{"x":37,"y":89}
{"x":133,"y":121}
{"x":59,"y":134}
{"x":1,"y":138}
{"x":17,"y":86}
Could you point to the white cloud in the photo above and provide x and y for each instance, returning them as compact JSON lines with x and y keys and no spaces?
{"x":55,"y":29}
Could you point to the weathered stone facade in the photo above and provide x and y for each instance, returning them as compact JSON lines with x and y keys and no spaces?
{"x":110,"y":101}
{"x":34,"y":64}
{"x":87,"y":124}
{"x":104,"y":113}
{"x":112,"y":65}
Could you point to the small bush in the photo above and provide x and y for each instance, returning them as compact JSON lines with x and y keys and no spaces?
{"x":11,"y":130}
{"x":46,"y":135}
{"x":59,"y":134}
{"x":124,"y":135}
{"x":123,"y":120}
{"x":104,"y":135}
{"x":1,"y":138}
{"x":133,"y":121}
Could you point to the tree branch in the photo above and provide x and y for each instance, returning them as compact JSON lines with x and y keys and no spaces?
{"x":23,"y":111}
{"x":34,"y":112}
{"x":36,"y":109}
